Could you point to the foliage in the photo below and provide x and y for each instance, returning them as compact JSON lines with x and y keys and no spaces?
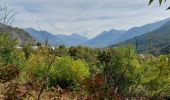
{"x":65,"y":71}
{"x":160,"y":2}
{"x":89,"y":55}
{"x":69,"y":72}
{"x":151,"y":42}
{"x":121,"y":70}
{"x":9,"y":62}
{"x":107,"y":73}
{"x":166,"y":50}
{"x":61,"y":51}
{"x":27,"y":50}
{"x":156,"y":77}
{"x":86,"y":73}
{"x":7,"y":48}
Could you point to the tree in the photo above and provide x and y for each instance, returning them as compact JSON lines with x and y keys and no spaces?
{"x":156,"y":78}
{"x":7,"y":47}
{"x":27,"y":50}
{"x":121,"y":71}
{"x":160,"y":2}
{"x":68,"y":73}
{"x":8,"y":68}
{"x":61,"y":51}
{"x":8,"y":16}
{"x":65,"y":71}
{"x":166,"y":50}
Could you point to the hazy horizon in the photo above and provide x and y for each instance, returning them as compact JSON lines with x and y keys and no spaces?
{"x":87,"y":18}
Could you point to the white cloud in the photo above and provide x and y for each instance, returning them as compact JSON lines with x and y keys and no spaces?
{"x":86,"y":17}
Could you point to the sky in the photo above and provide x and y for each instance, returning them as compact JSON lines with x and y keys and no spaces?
{"x":85,"y":17}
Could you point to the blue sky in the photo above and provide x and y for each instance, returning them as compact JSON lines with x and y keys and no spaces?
{"x":85,"y":17}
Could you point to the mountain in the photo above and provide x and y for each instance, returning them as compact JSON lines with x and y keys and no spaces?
{"x":151,"y":41}
{"x":41,"y":36}
{"x":59,"y":39}
{"x":72,"y":40}
{"x":79,"y":38}
{"x":104,"y":39}
{"x":17,"y":33}
{"x":137,"y":31}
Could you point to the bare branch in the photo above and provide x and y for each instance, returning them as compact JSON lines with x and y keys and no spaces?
{"x":11,"y":18}
{"x":7,"y":16}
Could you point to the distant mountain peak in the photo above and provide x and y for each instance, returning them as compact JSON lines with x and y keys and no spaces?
{"x":117,"y":30}
{"x":160,"y":38}
{"x":104,"y":39}
{"x":75,"y":35}
{"x":72,"y":40}
{"x":112,"y":31}
{"x":30,"y":29}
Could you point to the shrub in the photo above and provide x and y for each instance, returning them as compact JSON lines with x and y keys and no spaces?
{"x":68,"y":72}
{"x":9,"y":66}
{"x":7,"y":51}
{"x":65,"y":71}
{"x":27,"y":49}
{"x":35,"y":68}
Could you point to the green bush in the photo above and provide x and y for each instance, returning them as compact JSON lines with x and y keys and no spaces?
{"x":65,"y":71}
{"x":35,"y":68}
{"x":68,"y":72}
{"x":9,"y":60}
{"x":7,"y":50}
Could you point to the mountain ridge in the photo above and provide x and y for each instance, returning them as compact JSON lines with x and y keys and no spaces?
{"x":137,"y":31}
{"x":158,"y":39}
{"x":58,"y":39}
{"x":17,"y":33}
{"x":41,"y":36}
{"x":104,"y":38}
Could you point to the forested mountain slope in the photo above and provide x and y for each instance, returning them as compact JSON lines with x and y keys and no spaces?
{"x":104,"y":39}
{"x":151,"y":41}
{"x":137,"y":31}
{"x":17,"y":33}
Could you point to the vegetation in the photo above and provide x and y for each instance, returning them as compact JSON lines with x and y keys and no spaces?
{"x":160,"y":2}
{"x":81,"y":73}
{"x":84,"y":73}
{"x":155,"y":42}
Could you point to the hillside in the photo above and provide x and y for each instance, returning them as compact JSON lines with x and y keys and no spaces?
{"x":137,"y":31}
{"x":55,"y":40}
{"x":155,"y":40}
{"x":17,"y":33}
{"x":113,"y":36}
{"x":104,"y":39}
{"x":41,"y":36}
